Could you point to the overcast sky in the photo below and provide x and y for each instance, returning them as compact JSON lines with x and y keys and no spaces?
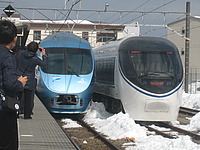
{"x":114,"y":5}
{"x":177,"y":5}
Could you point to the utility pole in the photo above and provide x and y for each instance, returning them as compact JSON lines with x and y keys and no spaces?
{"x":65,"y":4}
{"x":187,"y":46}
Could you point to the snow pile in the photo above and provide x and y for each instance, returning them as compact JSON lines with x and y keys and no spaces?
{"x":194,"y":123}
{"x":160,"y":143}
{"x":191,"y":100}
{"x":96,"y":111}
{"x":120,"y":126}
{"x":114,"y":126}
{"x":70,"y":123}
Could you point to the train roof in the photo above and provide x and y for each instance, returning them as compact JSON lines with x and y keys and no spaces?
{"x":147,"y":42}
{"x":139,"y":41}
{"x":64,"y":39}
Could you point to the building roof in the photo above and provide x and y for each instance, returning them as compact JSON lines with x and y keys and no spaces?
{"x":12,"y":16}
{"x":194,"y":18}
{"x":66,"y":23}
{"x":70,"y":23}
{"x":58,"y":21}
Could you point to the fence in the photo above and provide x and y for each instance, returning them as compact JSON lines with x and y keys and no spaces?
{"x":194,"y":80}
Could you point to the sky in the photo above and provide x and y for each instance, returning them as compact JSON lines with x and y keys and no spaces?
{"x":126,"y":127}
{"x":110,"y":17}
{"x":176,"y":5}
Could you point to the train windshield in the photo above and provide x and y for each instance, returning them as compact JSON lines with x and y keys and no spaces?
{"x":68,"y":61}
{"x":153,"y":70}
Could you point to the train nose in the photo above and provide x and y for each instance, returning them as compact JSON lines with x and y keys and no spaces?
{"x":68,"y":83}
{"x":55,"y":83}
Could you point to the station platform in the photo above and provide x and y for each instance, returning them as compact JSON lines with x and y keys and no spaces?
{"x":42,"y":131}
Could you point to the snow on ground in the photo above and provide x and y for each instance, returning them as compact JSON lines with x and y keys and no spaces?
{"x":115,"y":126}
{"x":192,"y":100}
{"x":70,"y":123}
{"x":120,"y":125}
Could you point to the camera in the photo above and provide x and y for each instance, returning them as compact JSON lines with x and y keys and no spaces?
{"x":40,"y":49}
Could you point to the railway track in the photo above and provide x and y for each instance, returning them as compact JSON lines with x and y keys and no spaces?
{"x":86,"y":137}
{"x":183,"y":113}
{"x":193,"y":135}
{"x":97,"y":135}
{"x":157,"y":131}
{"x":188,"y":111}
{"x":170,"y":133}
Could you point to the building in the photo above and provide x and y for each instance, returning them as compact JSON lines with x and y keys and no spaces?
{"x":179,"y":40}
{"x":97,"y":33}
{"x":194,"y":50}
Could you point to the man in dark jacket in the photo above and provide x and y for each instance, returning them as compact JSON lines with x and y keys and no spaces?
{"x":10,"y":83}
{"x":27,"y":60}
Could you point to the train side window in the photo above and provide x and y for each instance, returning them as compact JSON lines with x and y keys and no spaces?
{"x":105,"y":70}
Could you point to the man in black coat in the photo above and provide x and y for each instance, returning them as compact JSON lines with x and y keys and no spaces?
{"x":10,"y":83}
{"x":27,"y":60}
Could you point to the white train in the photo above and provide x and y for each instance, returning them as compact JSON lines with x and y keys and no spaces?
{"x":141,"y":76}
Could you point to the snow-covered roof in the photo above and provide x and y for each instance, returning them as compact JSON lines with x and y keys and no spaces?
{"x":58,"y":21}
{"x":197,"y":17}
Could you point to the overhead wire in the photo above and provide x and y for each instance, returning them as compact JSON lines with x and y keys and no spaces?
{"x":67,"y":15}
{"x":143,"y":14}
{"x":164,"y":26}
{"x":44,"y":15}
{"x":129,"y":12}
{"x":165,"y":4}
{"x":23,"y":15}
{"x":153,"y":30}
{"x":63,"y":8}
{"x":191,"y":28}
{"x":173,"y":21}
{"x":69,"y":12}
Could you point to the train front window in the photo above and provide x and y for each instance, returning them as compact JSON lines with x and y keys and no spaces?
{"x":156,"y":71}
{"x":69,"y":61}
{"x":152,"y":64}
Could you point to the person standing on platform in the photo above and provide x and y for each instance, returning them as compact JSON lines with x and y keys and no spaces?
{"x":27,"y":60}
{"x":10,"y":83}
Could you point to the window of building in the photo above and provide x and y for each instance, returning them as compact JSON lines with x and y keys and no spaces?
{"x":183,"y":30}
{"x":182,"y":52}
{"x":85,"y":35}
{"x":105,"y":37}
{"x":37,"y":35}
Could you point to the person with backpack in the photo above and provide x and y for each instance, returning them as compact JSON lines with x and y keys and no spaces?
{"x":10,"y":84}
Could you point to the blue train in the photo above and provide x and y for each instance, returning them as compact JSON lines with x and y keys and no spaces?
{"x":65,"y":85}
